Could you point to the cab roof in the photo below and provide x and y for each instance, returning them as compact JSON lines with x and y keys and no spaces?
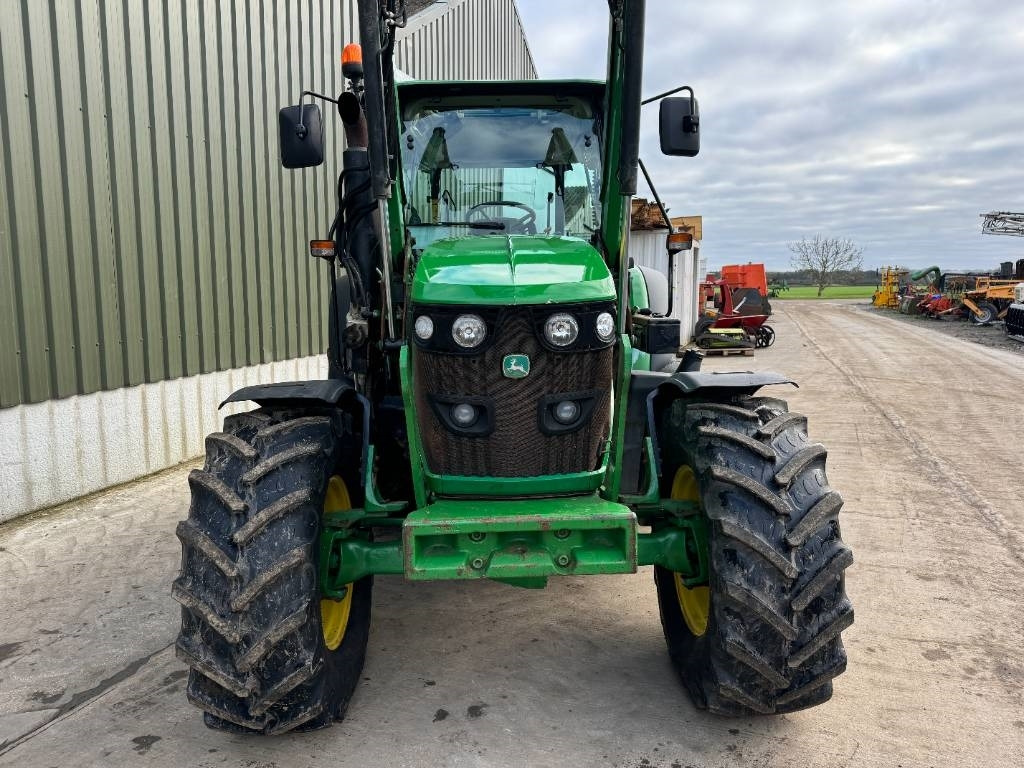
{"x":419,"y":93}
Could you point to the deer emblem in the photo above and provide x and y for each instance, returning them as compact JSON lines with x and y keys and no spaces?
{"x":515,"y":366}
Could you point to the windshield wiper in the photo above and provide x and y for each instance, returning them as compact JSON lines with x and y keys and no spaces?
{"x":470,"y":224}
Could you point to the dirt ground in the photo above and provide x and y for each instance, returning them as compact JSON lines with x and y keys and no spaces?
{"x":925,"y":437}
{"x":987,"y":335}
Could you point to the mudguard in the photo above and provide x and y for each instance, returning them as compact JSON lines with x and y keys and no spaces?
{"x":329,"y":392}
{"x":325,"y":392}
{"x":722,"y":383}
{"x":650,"y":392}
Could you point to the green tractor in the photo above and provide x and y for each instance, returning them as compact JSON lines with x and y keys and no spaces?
{"x":492,"y":412}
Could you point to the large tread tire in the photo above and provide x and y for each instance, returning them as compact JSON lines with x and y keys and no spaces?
{"x":989,"y":313}
{"x":777,"y":589}
{"x":250,"y":619}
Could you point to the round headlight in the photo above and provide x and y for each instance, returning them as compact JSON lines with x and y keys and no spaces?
{"x":561,"y":330}
{"x":424,"y":327}
{"x":567,"y":411}
{"x":605,"y":326}
{"x":469,"y":330}
{"x":464,"y":414}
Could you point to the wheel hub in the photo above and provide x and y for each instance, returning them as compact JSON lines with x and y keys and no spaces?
{"x":694,"y":602}
{"x":334,"y":613}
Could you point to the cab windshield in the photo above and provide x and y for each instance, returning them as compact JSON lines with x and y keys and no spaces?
{"x":515,"y":169}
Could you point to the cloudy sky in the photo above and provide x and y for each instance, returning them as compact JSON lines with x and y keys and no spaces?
{"x":892,"y":123}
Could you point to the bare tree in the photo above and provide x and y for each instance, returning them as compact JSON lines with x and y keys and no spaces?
{"x":823,"y":257}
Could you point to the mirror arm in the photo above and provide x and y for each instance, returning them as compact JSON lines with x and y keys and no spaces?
{"x":300,"y":129}
{"x":691,"y":123}
{"x":668,"y":223}
{"x":661,"y":96}
{"x":657,"y":198}
{"x":316,"y":95}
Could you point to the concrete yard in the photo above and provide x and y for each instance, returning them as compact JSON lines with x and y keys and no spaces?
{"x":926,"y":439}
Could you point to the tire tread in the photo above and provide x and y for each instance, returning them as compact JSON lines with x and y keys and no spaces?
{"x":250,"y":629}
{"x":779,"y":606}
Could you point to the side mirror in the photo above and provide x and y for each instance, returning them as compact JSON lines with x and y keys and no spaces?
{"x":301,"y":133}
{"x":679,"y":241}
{"x":680,"y":126}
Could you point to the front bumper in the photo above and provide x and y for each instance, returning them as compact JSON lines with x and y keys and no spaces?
{"x":519,"y":539}
{"x":522,"y":541}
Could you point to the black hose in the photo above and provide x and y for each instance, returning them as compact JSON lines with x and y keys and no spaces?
{"x":339,"y":321}
{"x":346,"y":225}
{"x":351,"y":222}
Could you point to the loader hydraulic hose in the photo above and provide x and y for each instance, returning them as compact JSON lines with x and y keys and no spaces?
{"x":353,"y":184}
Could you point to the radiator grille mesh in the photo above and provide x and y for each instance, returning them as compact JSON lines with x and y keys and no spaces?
{"x":517,"y":447}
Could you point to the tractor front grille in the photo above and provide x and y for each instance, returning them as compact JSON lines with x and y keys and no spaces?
{"x":517,"y":447}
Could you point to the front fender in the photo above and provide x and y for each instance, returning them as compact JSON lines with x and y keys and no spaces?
{"x":330,"y":393}
{"x":719,"y":384}
{"x":650,"y":392}
{"x":324,"y":392}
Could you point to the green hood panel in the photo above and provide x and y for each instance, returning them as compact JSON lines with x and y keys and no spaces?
{"x":511,"y":269}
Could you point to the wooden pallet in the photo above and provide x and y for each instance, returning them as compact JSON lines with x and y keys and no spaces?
{"x":729,"y":352}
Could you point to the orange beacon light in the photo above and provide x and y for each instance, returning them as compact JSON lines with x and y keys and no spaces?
{"x":352,"y":61}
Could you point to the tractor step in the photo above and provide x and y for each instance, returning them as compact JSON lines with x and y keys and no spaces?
{"x":520,"y":539}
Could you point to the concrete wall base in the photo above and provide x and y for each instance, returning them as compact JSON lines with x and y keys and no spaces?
{"x":58,"y":450}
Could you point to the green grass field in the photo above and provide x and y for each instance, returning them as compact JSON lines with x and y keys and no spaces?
{"x":832,"y":292}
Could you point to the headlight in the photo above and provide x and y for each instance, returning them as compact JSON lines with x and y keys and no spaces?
{"x":469,"y":330}
{"x":605,"y":326}
{"x":567,"y":411}
{"x":424,"y":327}
{"x":561,"y":330}
{"x":464,"y":414}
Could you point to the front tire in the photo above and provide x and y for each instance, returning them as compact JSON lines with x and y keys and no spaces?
{"x":775,"y":601}
{"x":265,"y":654}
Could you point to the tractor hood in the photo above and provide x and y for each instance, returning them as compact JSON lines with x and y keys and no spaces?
{"x":511,"y":269}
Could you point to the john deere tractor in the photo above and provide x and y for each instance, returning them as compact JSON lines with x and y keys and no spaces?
{"x":491,"y":411}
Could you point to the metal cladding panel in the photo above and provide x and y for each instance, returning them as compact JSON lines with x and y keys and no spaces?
{"x":147,"y":229}
{"x":466,"y":40}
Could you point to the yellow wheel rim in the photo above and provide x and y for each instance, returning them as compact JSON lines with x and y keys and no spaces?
{"x":334,"y":613}
{"x":695,"y":602}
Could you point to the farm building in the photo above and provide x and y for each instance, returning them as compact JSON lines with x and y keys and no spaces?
{"x":154,"y":251}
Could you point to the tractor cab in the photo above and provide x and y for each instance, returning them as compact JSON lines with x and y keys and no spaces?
{"x":501,"y":159}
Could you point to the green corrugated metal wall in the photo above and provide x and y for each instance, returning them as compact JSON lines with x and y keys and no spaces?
{"x":147,"y":230}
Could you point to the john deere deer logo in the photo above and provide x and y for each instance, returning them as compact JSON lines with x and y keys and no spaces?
{"x":515,"y":366}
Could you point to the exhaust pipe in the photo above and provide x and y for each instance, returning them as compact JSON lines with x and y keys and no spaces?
{"x":354,"y":119}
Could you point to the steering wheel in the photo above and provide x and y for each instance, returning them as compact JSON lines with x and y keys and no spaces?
{"x":525,"y":225}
